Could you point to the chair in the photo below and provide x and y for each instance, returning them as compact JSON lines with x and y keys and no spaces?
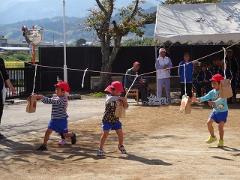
{"x":133,"y":93}
{"x":238,"y":95}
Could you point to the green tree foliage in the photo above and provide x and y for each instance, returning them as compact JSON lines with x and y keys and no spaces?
{"x":110,"y":31}
{"x":139,"y":42}
{"x":16,"y":56}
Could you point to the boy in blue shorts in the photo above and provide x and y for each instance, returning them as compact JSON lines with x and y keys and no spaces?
{"x":110,"y":121}
{"x":59,"y":115}
{"x":220,"y":110}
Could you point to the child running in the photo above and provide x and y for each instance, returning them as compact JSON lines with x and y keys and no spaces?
{"x":220,"y":110}
{"x":110,"y":121}
{"x":59,"y":115}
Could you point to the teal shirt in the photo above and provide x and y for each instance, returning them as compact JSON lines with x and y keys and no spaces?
{"x":220,"y":103}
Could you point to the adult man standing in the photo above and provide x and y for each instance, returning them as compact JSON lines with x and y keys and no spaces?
{"x":163,"y":65}
{"x":138,"y":84}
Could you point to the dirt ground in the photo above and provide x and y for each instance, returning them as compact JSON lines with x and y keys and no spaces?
{"x":161,"y":144}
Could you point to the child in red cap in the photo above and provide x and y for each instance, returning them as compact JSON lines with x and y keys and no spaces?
{"x":59,"y":115}
{"x":220,"y":110}
{"x":110,"y":121}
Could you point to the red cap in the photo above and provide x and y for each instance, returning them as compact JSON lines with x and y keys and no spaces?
{"x":63,"y":85}
{"x":217,"y":78}
{"x":136,"y":63}
{"x":115,"y":85}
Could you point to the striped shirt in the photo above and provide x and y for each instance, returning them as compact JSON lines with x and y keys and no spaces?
{"x":59,"y":106}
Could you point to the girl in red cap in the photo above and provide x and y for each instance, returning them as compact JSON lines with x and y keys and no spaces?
{"x":59,"y":115}
{"x":220,"y":110}
{"x":110,"y":121}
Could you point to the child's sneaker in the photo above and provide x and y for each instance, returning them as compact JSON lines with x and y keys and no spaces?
{"x":211,"y":139}
{"x":100,"y":153}
{"x":74,"y":139}
{"x":43,"y":147}
{"x":220,"y":143}
{"x":62,"y":142}
{"x":122,"y":149}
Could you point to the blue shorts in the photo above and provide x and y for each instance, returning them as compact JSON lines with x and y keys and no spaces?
{"x":219,"y":116}
{"x":58,"y":125}
{"x":107,"y":126}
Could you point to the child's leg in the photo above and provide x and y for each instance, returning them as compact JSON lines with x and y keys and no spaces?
{"x":72,"y":136}
{"x":68,"y":135}
{"x":120,"y":136}
{"x":210,"y":127}
{"x":47,"y":135}
{"x":221,"y":130}
{"x":62,"y":136}
{"x":103,"y":139}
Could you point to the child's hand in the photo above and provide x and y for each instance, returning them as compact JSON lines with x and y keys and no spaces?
{"x":124,"y":101}
{"x":211,"y":103}
{"x":195,"y":100}
{"x":39,"y":97}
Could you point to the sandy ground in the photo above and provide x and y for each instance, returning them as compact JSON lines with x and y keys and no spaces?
{"x":161,"y":144}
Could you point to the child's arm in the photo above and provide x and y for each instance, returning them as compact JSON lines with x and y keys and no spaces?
{"x":47,"y":100}
{"x":59,"y":101}
{"x":207,"y":97}
{"x":124,"y":101}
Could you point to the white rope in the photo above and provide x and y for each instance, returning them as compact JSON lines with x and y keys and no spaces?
{"x":224,"y":61}
{"x":143,"y":74}
{"x":83,"y":79}
{"x":34,"y":79}
{"x":132,"y":85}
{"x":185,"y":80}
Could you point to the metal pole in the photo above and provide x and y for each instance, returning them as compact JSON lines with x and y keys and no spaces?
{"x":65,"y":45}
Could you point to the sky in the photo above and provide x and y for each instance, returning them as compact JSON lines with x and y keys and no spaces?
{"x":18,"y":10}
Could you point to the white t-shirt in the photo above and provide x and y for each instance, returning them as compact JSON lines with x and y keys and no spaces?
{"x":161,"y":62}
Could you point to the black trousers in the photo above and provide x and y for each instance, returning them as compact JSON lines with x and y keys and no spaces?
{"x":1,"y":105}
{"x":143,"y":91}
{"x":188,"y":89}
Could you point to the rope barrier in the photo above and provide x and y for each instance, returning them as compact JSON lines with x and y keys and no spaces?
{"x":143,"y":74}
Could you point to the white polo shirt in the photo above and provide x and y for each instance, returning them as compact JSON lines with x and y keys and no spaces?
{"x":161,"y":62}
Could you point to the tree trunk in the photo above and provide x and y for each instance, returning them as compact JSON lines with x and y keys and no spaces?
{"x":107,"y":61}
{"x":105,"y":79}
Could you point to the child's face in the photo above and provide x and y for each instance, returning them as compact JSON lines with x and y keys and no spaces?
{"x":116,"y":93}
{"x":59,"y":91}
{"x":215,"y":85}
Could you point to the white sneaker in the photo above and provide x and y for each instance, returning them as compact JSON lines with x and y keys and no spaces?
{"x":62,"y":142}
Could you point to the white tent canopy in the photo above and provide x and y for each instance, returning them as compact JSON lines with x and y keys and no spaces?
{"x":198,"y":23}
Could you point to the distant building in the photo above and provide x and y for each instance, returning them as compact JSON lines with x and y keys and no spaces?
{"x":3,"y":41}
{"x":13,"y":43}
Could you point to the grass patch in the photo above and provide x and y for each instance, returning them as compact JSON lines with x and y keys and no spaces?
{"x":97,"y":94}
